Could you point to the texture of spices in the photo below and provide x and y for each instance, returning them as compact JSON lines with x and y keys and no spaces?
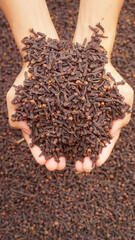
{"x":37,"y":204}
{"x":67,"y":98}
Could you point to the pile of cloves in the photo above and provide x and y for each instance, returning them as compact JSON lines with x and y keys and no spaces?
{"x":68,"y":99}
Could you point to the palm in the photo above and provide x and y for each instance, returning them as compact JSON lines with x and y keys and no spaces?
{"x":50,"y":164}
{"x":127,"y":92}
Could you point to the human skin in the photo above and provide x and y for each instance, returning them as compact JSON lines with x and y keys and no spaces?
{"x":26,"y":14}
{"x":106,"y":12}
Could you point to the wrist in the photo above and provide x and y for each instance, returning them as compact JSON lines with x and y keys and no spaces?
{"x":25,"y":15}
{"x":40,"y":26}
{"x":49,"y":32}
{"x":91,"y":12}
{"x":107,"y":43}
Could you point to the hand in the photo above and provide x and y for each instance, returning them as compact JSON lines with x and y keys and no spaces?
{"x":127,"y":92}
{"x":50,"y":164}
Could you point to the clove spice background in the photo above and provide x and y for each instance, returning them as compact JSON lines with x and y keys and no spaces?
{"x":37,"y":204}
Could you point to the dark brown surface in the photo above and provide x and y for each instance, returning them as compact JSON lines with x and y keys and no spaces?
{"x":37,"y":204}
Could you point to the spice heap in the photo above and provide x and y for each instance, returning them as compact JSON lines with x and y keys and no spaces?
{"x":68,"y":99}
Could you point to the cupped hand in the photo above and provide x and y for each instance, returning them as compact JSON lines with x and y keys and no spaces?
{"x":50,"y":164}
{"x":127,"y":92}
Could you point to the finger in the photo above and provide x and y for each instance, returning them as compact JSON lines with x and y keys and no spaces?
{"x":127,"y":92}
{"x":21,"y":125}
{"x":34,"y":150}
{"x":62,"y":164}
{"x":87,"y":164}
{"x":79,"y":166}
{"x":51,"y":164}
{"x":107,"y":150}
{"x":118,"y":124}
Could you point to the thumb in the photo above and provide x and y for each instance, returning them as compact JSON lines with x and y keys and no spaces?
{"x":120,"y":123}
{"x":20,"y":125}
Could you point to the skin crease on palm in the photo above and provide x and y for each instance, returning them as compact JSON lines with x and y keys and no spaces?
{"x":23,"y":15}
